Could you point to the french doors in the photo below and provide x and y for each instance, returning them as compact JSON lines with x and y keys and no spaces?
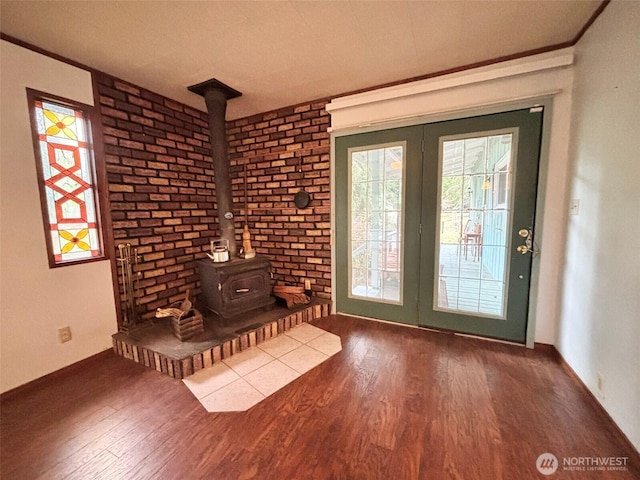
{"x":434,"y":223}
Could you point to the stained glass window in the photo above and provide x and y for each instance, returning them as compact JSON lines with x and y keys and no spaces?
{"x":65,"y":157}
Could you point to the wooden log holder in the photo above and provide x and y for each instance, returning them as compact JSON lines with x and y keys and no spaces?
{"x":185,"y":327}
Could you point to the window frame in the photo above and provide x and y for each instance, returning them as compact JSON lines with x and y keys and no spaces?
{"x":501,"y":184}
{"x":401,"y":223}
{"x":91,"y":123}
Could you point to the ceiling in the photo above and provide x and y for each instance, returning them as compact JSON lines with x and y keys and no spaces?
{"x":287,"y":52}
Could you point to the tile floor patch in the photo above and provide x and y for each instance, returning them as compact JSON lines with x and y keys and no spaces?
{"x":280,"y":345}
{"x":272,"y":377}
{"x":327,"y":343}
{"x":303,"y":358}
{"x":248,"y":360}
{"x":305,"y":332}
{"x":208,"y":380}
{"x":238,"y":396}
{"x":245,"y":379}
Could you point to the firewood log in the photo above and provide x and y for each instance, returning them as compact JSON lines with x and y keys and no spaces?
{"x":287,"y":289}
{"x":293,"y":299}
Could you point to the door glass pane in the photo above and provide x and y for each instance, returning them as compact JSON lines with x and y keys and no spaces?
{"x":474,"y":214}
{"x":376,"y":182}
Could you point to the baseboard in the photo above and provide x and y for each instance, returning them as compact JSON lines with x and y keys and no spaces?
{"x":544,"y":346}
{"x":592,"y":398}
{"x":445,"y":331}
{"x":63,"y":372}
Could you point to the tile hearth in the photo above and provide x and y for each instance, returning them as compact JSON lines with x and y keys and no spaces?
{"x":243,"y":380}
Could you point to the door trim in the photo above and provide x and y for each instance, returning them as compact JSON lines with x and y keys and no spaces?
{"x":546,"y":100}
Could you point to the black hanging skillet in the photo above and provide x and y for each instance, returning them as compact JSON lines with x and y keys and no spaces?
{"x":302,"y":198}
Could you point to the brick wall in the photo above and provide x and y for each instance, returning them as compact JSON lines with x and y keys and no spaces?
{"x":160,"y":179}
{"x":162,"y":194}
{"x":282,"y":152}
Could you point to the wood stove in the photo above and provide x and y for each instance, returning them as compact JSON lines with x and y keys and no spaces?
{"x":235,"y":287}
{"x":239,"y":285}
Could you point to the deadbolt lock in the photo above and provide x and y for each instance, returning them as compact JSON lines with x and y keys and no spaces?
{"x":528,"y":247}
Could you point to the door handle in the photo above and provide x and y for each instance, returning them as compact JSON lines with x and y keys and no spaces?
{"x":527,"y":234}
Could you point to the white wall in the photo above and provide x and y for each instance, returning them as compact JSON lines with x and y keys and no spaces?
{"x":599,"y":329}
{"x":35,"y":300}
{"x":514,"y":84}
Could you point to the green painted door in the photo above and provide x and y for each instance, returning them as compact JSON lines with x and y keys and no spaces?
{"x":480,"y":180}
{"x":429,"y":220}
{"x":378,"y":177}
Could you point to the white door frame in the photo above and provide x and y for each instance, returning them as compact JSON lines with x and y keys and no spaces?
{"x":549,"y":87}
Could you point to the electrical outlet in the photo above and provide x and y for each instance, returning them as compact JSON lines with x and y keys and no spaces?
{"x":64,"y":334}
{"x":574,"y":207}
{"x":600,"y":384}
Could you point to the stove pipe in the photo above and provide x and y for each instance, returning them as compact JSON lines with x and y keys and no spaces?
{"x":216,"y":94}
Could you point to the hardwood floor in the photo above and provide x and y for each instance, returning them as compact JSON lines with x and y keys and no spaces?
{"x":396,"y":403}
